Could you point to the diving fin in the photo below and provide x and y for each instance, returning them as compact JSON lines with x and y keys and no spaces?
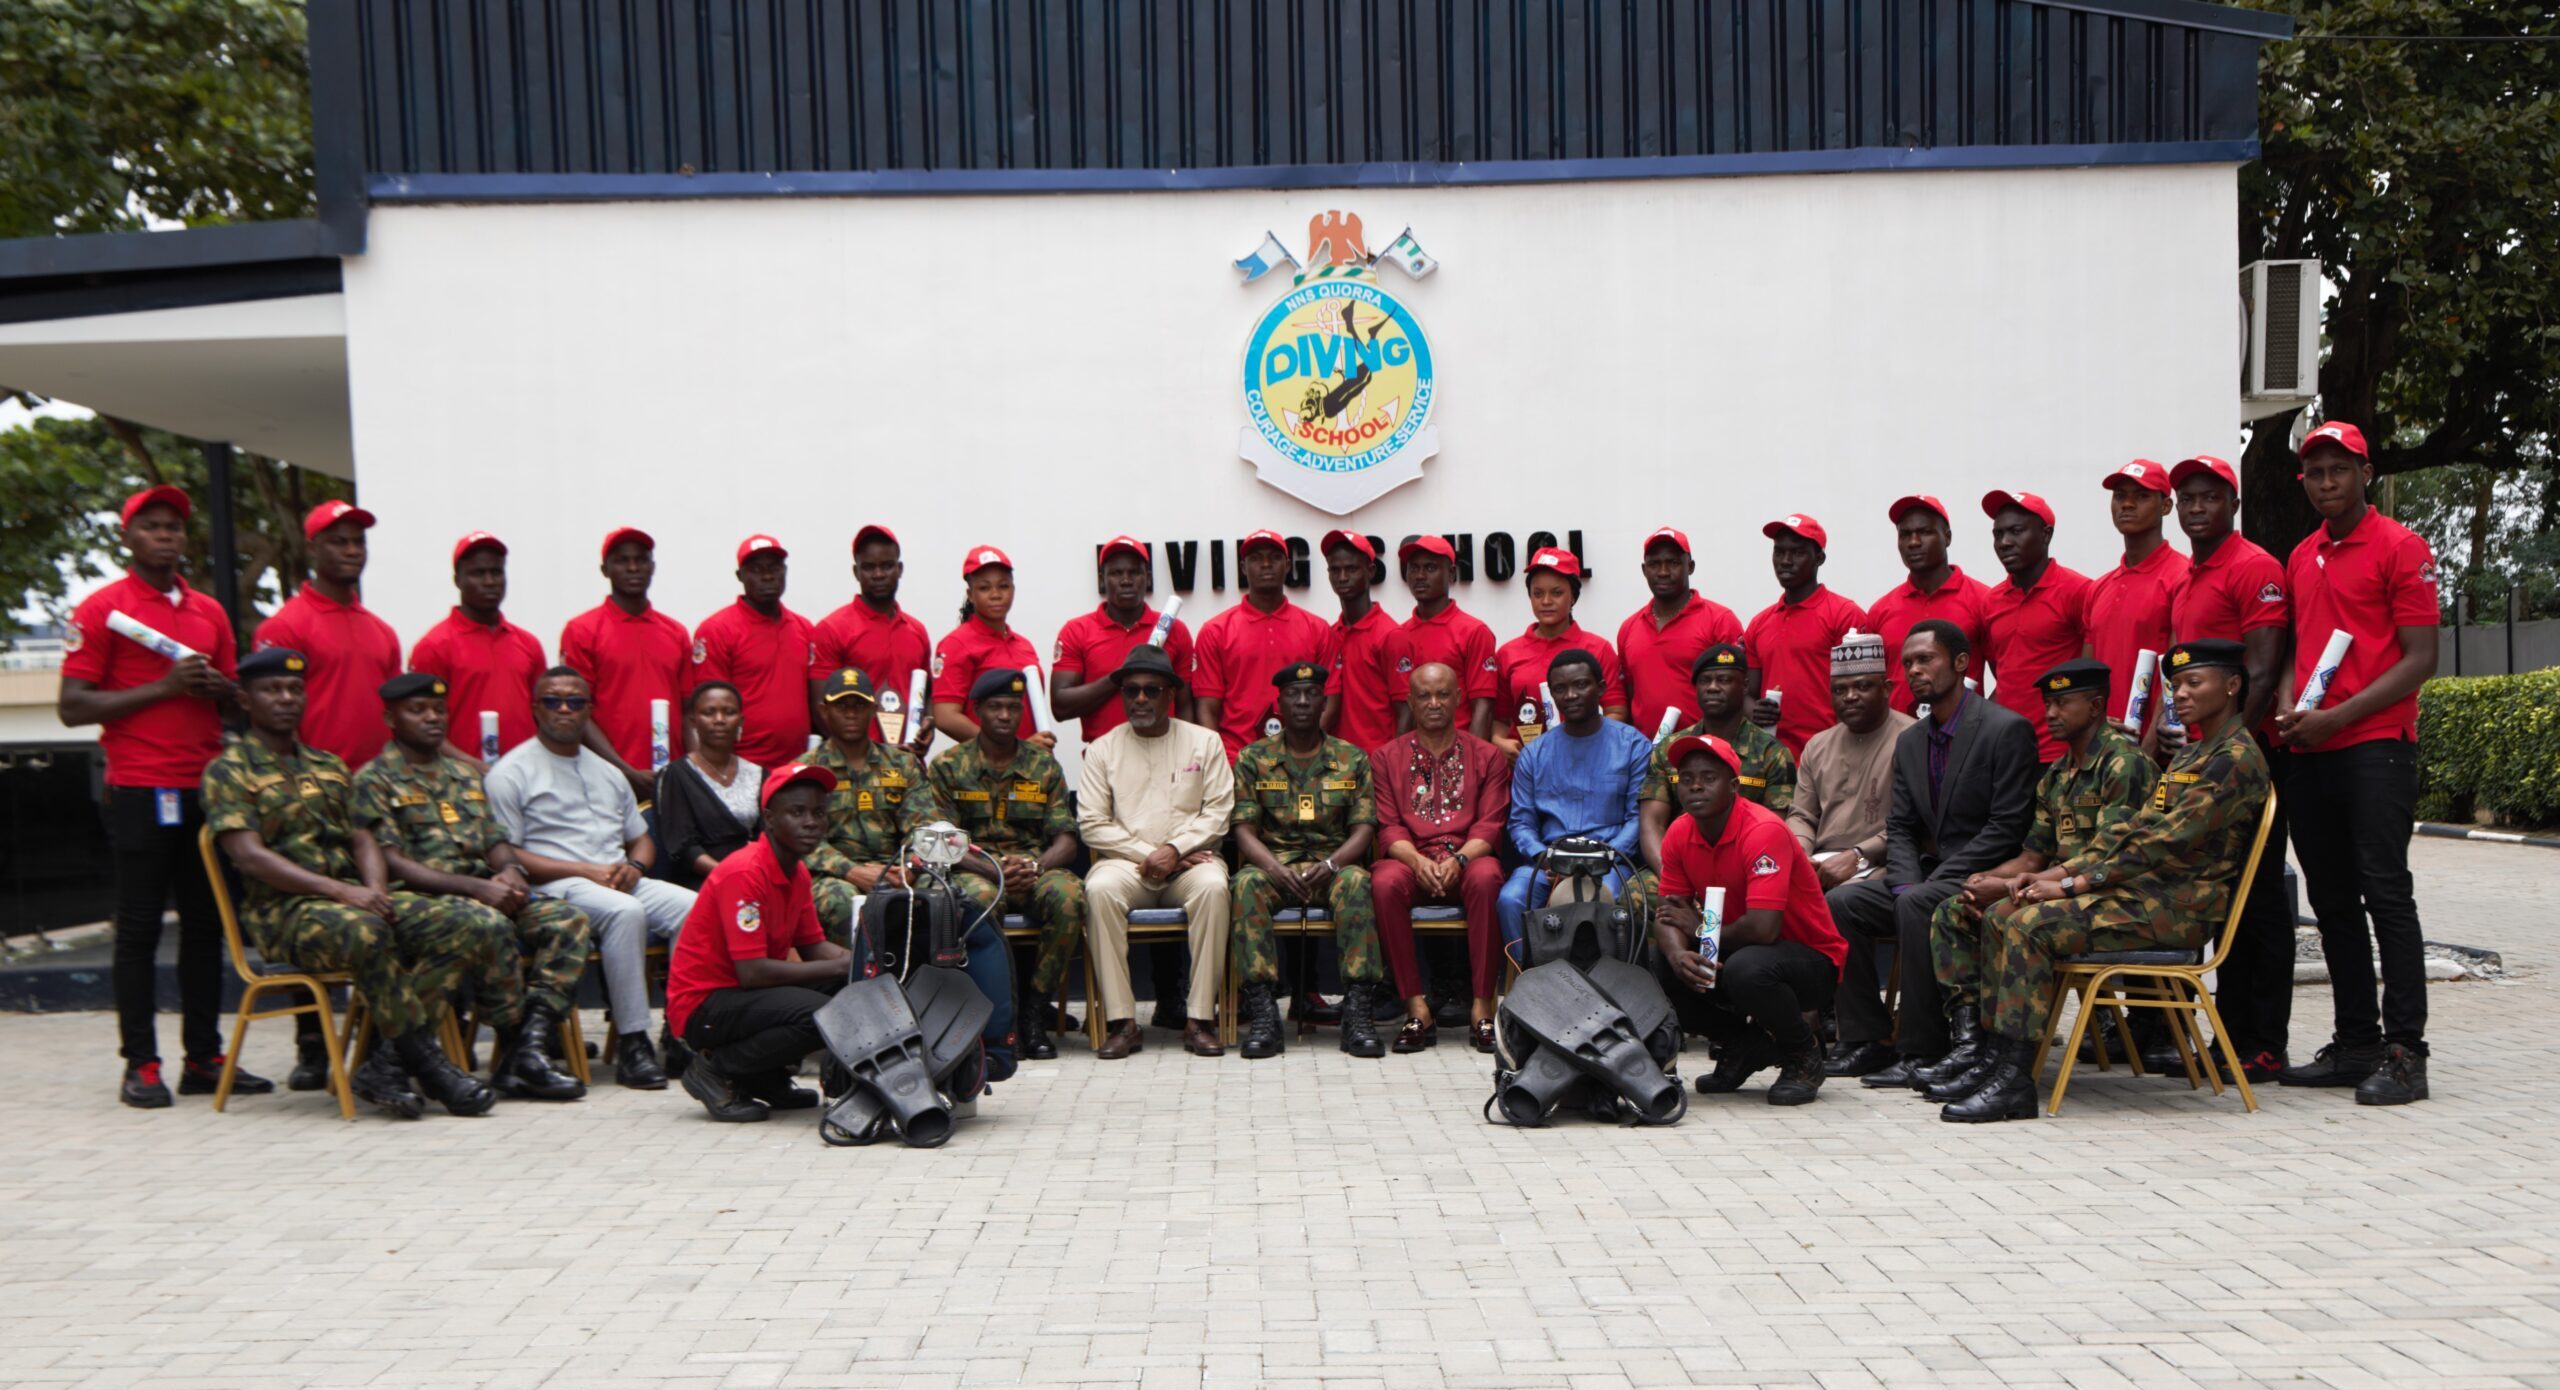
{"x":1571,"y":1016}
{"x":871,"y":1030}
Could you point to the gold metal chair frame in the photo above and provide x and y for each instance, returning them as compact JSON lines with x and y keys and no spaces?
{"x":2176,"y":990}
{"x":254,"y":985}
{"x":1151,"y":932}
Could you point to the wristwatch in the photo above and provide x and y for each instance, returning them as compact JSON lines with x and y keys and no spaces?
{"x":1459,"y":855}
{"x":2068,"y":885}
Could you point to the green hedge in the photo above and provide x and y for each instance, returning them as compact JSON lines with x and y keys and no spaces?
{"x":2490,"y":743}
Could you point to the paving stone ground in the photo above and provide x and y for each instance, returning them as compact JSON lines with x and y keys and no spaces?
{"x":1169,"y":1222}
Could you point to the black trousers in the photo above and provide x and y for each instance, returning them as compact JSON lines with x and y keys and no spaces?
{"x":2254,"y":990}
{"x":2353,"y":811}
{"x":154,"y":863}
{"x":1761,"y":991}
{"x":746,"y":1031}
{"x":1867,"y":912}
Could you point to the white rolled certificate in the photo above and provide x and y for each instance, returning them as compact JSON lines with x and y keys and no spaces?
{"x":2317,"y":688}
{"x":1670,"y":721}
{"x":488,"y":736}
{"x":2137,"y":703}
{"x":149,"y":638}
{"x":1547,"y":704}
{"x":915,"y":696}
{"x":1036,"y":697}
{"x":661,"y":741}
{"x":1164,"y":622}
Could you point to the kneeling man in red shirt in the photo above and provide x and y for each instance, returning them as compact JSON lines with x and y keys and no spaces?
{"x":1778,"y":955}
{"x":752,"y":967}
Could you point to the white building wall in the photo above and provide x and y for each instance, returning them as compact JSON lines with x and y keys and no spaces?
{"x":1040,"y":373}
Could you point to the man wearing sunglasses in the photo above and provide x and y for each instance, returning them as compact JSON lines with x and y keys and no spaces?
{"x":1153,"y":802}
{"x":576,"y":831}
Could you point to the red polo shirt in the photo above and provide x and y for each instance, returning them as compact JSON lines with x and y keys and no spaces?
{"x":167,"y":743}
{"x":1962,"y":600}
{"x":2029,"y":632}
{"x":1657,"y":658}
{"x":1455,"y":639}
{"x":768,"y":659}
{"x":1234,"y":659}
{"x":352,"y":653}
{"x":1359,"y":656}
{"x":1094,"y":644}
{"x":2127,"y":611}
{"x":2239,"y":590}
{"x":1519,"y":664}
{"x":2378,"y":580}
{"x":1758,"y":864}
{"x":888,"y":647}
{"x":630,"y":659}
{"x":489,"y":667}
{"x":1790,"y":646}
{"x":973,"y":647}
{"x":748,"y":909}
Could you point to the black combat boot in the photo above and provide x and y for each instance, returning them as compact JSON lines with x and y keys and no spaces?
{"x":439,"y":1080}
{"x":1030,"y":1022}
{"x":1360,"y":1021}
{"x":2338,"y":1064}
{"x":1957,"y":1085}
{"x":1799,"y":1077}
{"x":2009,"y":1093}
{"x":311,"y":1069}
{"x":635,"y":1063}
{"x":2400,"y":1079}
{"x":1262,"y":1037}
{"x":672,"y":1048}
{"x":1965,"y":1026}
{"x":719,"y":1094}
{"x":1898,"y":1077}
{"x":523,"y":1069}
{"x":381,"y":1084}
{"x":1736,"y":1063}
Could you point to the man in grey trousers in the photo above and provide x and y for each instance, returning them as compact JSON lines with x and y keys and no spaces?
{"x":576,"y":828}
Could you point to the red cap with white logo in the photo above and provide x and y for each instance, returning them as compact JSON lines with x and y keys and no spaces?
{"x":1428,"y":545}
{"x":1917,"y":499}
{"x":1798,"y":524}
{"x":760,"y":544}
{"x":2141,"y":473}
{"x":1687,"y":744}
{"x":1267,"y":537}
{"x":330,"y":513}
{"x":477,"y":540}
{"x":1997,"y":501}
{"x":1548,"y":557}
{"x":873,"y":532}
{"x":619,"y":534}
{"x":981,"y":556}
{"x":1125,"y":545}
{"x":2204,"y":463}
{"x":1668,"y":535}
{"x":1352,"y":539}
{"x":2337,"y":432}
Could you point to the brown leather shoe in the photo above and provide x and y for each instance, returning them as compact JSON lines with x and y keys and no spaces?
{"x":1480,"y":1035}
{"x":1416,"y":1034}
{"x":1123,"y":1039}
{"x":1200,"y":1038}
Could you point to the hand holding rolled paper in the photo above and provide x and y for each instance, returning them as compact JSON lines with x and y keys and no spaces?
{"x":150,"y":639}
{"x":2331,"y":656}
{"x":2137,"y":703}
{"x":1164,"y":622}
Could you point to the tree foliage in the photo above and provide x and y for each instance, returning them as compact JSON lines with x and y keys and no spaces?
{"x":66,"y":479}
{"x":117,"y":115}
{"x":2424,"y":173}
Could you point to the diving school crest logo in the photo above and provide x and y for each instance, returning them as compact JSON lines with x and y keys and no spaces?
{"x":1338,"y":380}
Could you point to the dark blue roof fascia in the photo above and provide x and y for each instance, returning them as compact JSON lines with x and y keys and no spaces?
{"x":127,"y":272}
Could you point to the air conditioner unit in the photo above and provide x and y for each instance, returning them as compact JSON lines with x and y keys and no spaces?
{"x":2279,"y":337}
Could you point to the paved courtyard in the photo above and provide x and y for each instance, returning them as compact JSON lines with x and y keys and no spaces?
{"x":1170,"y":1222}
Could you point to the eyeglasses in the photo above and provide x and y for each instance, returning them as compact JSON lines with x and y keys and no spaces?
{"x":1145,"y":692}
{"x":566,"y":704}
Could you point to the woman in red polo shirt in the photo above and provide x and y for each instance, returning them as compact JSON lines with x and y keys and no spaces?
{"x":982,"y":640}
{"x":1555,"y":586}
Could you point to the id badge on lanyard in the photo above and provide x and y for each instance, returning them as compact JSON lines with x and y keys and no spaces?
{"x":164,"y":802}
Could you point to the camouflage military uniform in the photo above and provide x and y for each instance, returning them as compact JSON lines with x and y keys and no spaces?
{"x":869,"y":816}
{"x":2159,"y":880}
{"x":1017,"y":811}
{"x":2073,"y":805}
{"x":439,"y":817}
{"x":1304,"y":809}
{"x":301,"y":808}
{"x":1768,"y":778}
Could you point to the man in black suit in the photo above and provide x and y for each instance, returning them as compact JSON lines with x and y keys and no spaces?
{"x":1963,"y":795}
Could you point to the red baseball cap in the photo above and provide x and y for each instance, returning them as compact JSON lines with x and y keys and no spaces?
{"x":619,"y":534}
{"x":1549,"y":557}
{"x":792,"y":776}
{"x":2140,"y":473}
{"x":758,"y":544}
{"x":981,"y":556}
{"x":1673,"y":534}
{"x":1352,"y":539}
{"x":1917,"y":499}
{"x":475,"y":541}
{"x":1997,"y":501}
{"x":2337,"y":432}
{"x":2205,"y":463}
{"x":1428,"y":545}
{"x":164,"y":493}
{"x":1798,"y":524}
{"x":330,"y":513}
{"x":874,"y":531}
{"x":1687,"y":744}
{"x":1125,"y":545}
{"x":1264,"y":537}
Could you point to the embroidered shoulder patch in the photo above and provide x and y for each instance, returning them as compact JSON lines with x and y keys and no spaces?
{"x":1763,"y":866}
{"x":750,"y":917}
